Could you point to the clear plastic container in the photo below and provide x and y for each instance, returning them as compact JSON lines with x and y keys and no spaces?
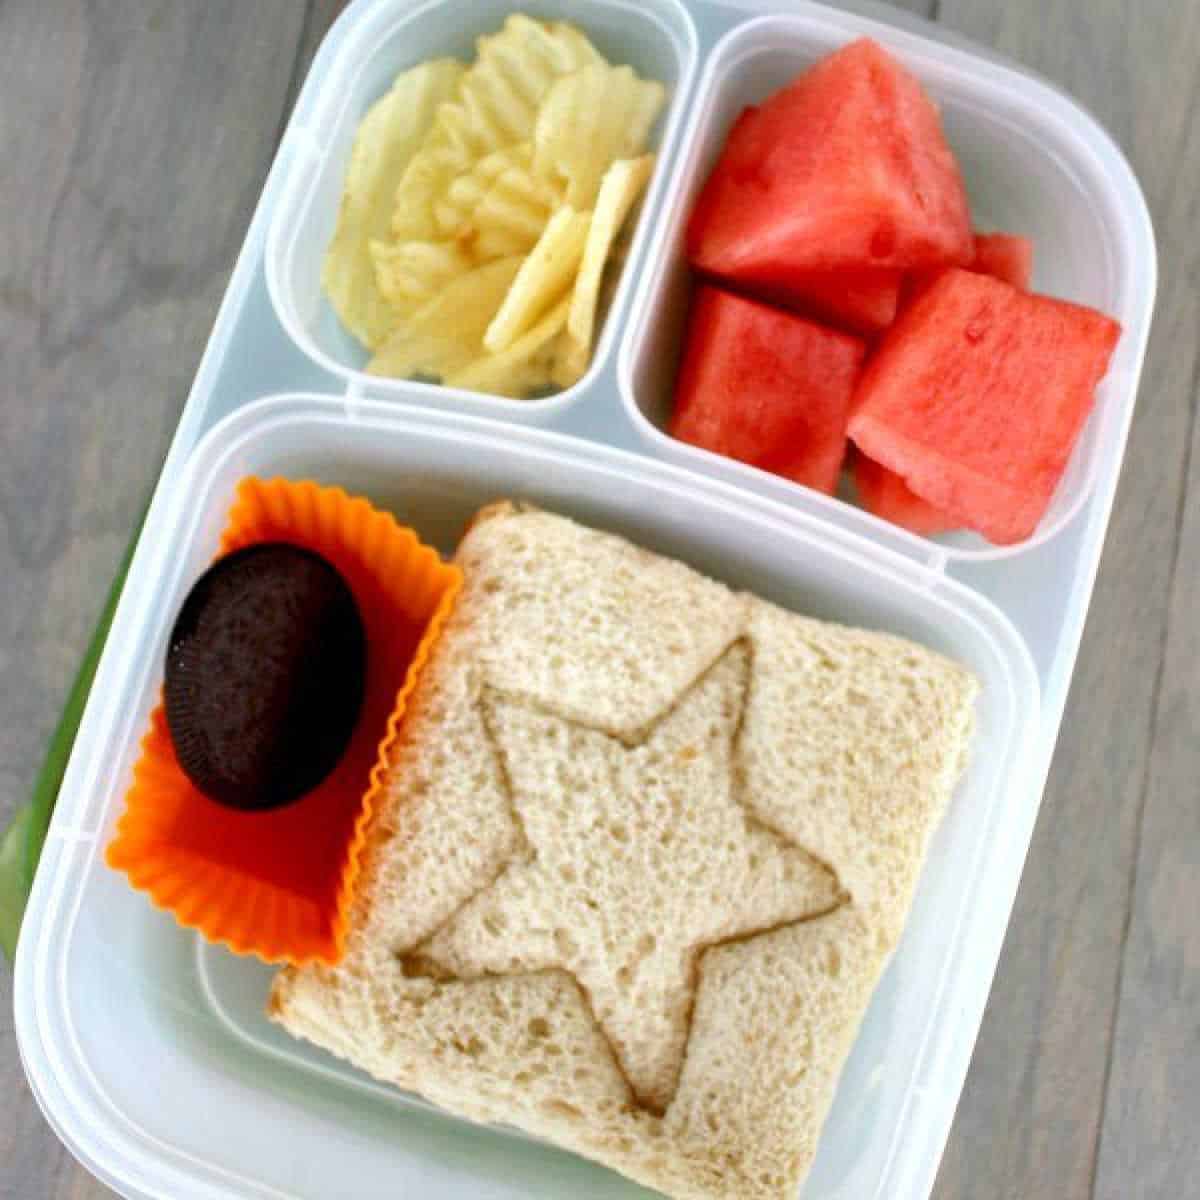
{"x":147,"y":1048}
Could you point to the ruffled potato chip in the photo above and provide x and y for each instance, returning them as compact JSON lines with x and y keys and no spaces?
{"x":619,"y":190}
{"x":430,"y":172}
{"x":446,"y":334}
{"x":590,"y":119}
{"x":410,"y":273}
{"x":525,"y":367}
{"x":570,"y":362}
{"x":496,"y":106}
{"x":498,"y":207}
{"x":386,"y":141}
{"x":514,"y":70}
{"x":544,"y":279}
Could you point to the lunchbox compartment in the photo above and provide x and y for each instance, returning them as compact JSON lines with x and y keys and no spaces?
{"x":656,"y":37}
{"x":1035,"y":164}
{"x":160,"y":1026}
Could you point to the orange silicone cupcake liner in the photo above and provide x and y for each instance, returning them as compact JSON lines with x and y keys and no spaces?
{"x":278,"y":884}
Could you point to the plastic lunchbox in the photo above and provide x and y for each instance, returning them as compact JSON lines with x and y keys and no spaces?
{"x":145,"y":1046}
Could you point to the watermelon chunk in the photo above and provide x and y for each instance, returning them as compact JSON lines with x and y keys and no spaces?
{"x":844,"y":169}
{"x":1004,"y":256}
{"x":863,"y":301}
{"x":976,"y":397}
{"x":766,"y":387}
{"x":885,"y":493}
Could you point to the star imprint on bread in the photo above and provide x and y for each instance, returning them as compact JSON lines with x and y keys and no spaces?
{"x":634,"y":857}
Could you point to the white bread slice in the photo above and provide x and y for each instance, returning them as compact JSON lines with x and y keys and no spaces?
{"x":647,"y":846}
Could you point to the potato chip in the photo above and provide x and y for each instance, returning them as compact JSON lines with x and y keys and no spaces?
{"x":446,"y":333}
{"x":498,"y":207}
{"x":544,"y":278}
{"x":524,"y":367}
{"x":421,"y":354}
{"x":570,"y":361}
{"x":622,"y":185}
{"x":466,"y":192}
{"x":587,"y":121}
{"x":409,"y":273}
{"x":470,"y":302}
{"x":429,"y":173}
{"x":496,"y":105}
{"x":514,"y":70}
{"x":386,"y":141}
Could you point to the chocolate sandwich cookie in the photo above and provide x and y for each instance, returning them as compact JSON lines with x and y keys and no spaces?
{"x":265,"y":673}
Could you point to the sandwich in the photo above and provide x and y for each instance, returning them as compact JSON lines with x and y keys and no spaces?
{"x":646,"y":846}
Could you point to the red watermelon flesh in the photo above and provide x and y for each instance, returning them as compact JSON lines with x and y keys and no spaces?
{"x":862,"y":301}
{"x":885,"y":494}
{"x":766,"y":387}
{"x":976,"y":396}
{"x":1004,"y":256}
{"x":846,"y":168}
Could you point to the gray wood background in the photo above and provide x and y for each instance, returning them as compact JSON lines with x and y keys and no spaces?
{"x":136,"y":135}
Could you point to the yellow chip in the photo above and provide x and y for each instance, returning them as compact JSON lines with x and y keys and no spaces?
{"x":409,"y":273}
{"x":467,"y":192}
{"x":544,"y":278}
{"x":498,"y":207}
{"x":421,"y":354}
{"x":425,"y":179}
{"x":446,"y":333}
{"x":386,"y":141}
{"x":514,"y":70}
{"x":570,"y":361}
{"x":622,"y":185}
{"x":495,"y":106}
{"x":468,"y":304}
{"x":587,"y":121}
{"x":526,"y":366}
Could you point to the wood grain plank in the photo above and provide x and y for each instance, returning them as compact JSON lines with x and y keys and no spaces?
{"x":137,"y":137}
{"x":922,"y":8}
{"x":1030,"y":1116}
{"x":1148,"y":1143}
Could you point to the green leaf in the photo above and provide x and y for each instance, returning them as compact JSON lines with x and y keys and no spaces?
{"x":21,"y":846}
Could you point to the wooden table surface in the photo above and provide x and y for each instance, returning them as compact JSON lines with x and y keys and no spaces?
{"x":136,"y":136}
